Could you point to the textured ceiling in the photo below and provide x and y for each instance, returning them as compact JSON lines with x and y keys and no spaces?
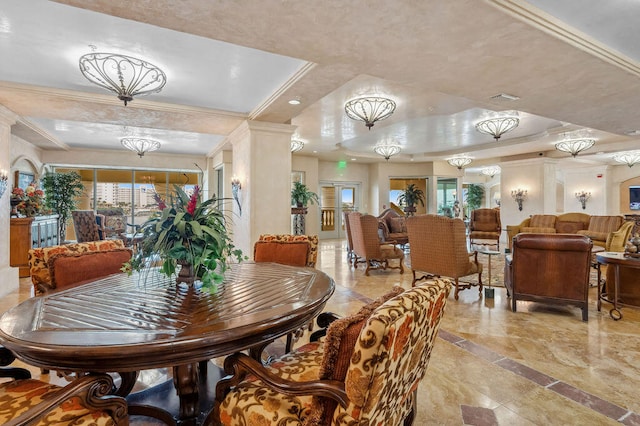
{"x":226,"y":61}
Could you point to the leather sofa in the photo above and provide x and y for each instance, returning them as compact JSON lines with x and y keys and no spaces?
{"x":393,"y":228}
{"x":598,"y":228}
{"x":549,"y":268}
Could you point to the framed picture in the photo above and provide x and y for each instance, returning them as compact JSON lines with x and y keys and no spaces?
{"x":23,"y":179}
{"x":297,"y":176}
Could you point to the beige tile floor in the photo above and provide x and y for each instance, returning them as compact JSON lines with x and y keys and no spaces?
{"x":539,"y":366}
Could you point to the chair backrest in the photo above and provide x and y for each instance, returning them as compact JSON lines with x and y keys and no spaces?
{"x":438,"y":245}
{"x":347,"y":229}
{"x":551,"y":265}
{"x":85,"y":225}
{"x":364,"y":233}
{"x":605,"y":223}
{"x":312,"y":240}
{"x":392,"y":352}
{"x":487,"y":220}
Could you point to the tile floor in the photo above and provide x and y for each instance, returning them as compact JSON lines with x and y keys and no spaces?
{"x":539,"y":366}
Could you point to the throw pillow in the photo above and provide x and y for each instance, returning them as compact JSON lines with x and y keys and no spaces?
{"x":398,"y":225}
{"x":69,"y":269}
{"x":566,"y":227}
{"x":290,"y":253}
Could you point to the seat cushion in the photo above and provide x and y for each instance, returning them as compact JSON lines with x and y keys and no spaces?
{"x":389,"y":251}
{"x":293,"y":253}
{"x":18,"y":396}
{"x":536,"y":230}
{"x":69,"y":269}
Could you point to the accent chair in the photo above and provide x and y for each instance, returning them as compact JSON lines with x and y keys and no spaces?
{"x":485,"y":225}
{"x":368,"y":247}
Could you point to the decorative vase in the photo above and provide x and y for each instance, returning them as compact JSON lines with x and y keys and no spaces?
{"x":186,"y":274}
{"x":14,"y":207}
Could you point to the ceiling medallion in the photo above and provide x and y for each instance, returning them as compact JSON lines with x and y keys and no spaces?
{"x":460,"y":161}
{"x":629,"y":157}
{"x":369,"y":109}
{"x":499,"y":125}
{"x":491,"y":171}
{"x":575,"y":146}
{"x":387,"y":149}
{"x":140,"y":145}
{"x":125,"y":76}
{"x":296,"y":145}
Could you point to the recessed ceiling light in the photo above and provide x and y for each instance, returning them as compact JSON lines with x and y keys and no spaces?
{"x":295,"y":101}
{"x":353,"y":159}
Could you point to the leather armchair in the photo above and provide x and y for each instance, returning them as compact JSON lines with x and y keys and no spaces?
{"x":549,"y":268}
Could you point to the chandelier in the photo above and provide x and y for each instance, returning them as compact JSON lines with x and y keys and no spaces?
{"x":491,"y":171}
{"x":387,"y":149}
{"x":575,"y":146}
{"x":497,"y":126}
{"x":369,"y":109}
{"x":629,"y":157}
{"x":140,"y":145}
{"x":296,"y":145}
{"x":125,"y":76}
{"x":460,"y":161}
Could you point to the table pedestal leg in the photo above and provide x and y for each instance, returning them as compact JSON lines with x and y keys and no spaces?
{"x":185,"y":380}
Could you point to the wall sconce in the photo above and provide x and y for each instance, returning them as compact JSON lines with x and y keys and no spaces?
{"x":236,"y":186}
{"x":519,"y":195}
{"x":583,"y":196}
{"x":4,"y":178}
{"x":497,"y":200}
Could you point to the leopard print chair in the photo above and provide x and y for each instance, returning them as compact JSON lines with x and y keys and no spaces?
{"x":366,"y":371}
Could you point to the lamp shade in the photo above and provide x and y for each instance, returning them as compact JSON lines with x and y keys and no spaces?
{"x":629,"y":157}
{"x":460,"y":161}
{"x":296,"y":145}
{"x":369,"y":109}
{"x":499,"y":125}
{"x":575,"y":146}
{"x":387,"y":149}
{"x":140,"y":145}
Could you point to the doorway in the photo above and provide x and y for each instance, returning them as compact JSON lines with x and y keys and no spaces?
{"x":336,"y":199}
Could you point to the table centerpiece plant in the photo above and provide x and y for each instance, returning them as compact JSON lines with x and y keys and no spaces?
{"x":189,"y":232}
{"x":28,"y":202}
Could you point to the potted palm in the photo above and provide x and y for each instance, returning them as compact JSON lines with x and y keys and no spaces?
{"x":301,"y":196}
{"x":189,"y":232}
{"x":410,"y":197}
{"x":61,"y":191}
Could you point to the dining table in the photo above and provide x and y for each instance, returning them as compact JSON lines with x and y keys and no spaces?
{"x":127,"y":323}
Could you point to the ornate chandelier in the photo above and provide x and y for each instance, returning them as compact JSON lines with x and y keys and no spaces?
{"x":460,"y":161}
{"x":125,"y":76}
{"x":629,"y":157}
{"x":575,"y":146}
{"x":387,"y":149}
{"x":497,"y":126}
{"x":296,"y":145}
{"x":140,"y":145}
{"x":491,"y":171}
{"x":369,"y":109}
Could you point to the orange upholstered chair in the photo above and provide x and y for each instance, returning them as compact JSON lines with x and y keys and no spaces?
{"x":367,"y":245}
{"x":485,"y":225}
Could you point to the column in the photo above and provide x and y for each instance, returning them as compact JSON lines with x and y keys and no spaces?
{"x":9,"y":275}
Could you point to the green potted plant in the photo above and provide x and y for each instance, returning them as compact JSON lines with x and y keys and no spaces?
{"x":61,"y":191}
{"x":410,"y":197}
{"x":301,"y":196}
{"x":475,"y":194}
{"x":189,"y":232}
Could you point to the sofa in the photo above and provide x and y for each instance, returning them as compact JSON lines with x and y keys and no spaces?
{"x":549,"y":268}
{"x":597,"y":228}
{"x":56,"y":267}
{"x":393,"y":228}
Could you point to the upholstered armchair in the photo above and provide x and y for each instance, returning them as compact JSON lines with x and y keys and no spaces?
{"x":85,"y":225}
{"x":393,"y":227}
{"x":366,"y":371}
{"x":485,"y":225}
{"x":368,"y":247}
{"x":311,"y":240}
{"x":439,"y":247}
{"x":549,"y":268}
{"x":25,"y":401}
{"x":600,"y":227}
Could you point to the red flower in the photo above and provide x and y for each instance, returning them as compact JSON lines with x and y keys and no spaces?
{"x":159,"y":201}
{"x":193,"y":200}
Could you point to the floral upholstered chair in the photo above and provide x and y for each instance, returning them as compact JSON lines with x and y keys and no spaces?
{"x":85,"y":225}
{"x":25,"y":401}
{"x":439,"y":248}
{"x":366,"y":371}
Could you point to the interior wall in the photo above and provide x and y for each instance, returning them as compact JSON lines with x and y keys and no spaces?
{"x":309,"y":165}
{"x":624,"y":195}
{"x":588,"y":179}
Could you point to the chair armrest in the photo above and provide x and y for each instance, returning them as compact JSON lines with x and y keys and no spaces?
{"x":238,"y":365}
{"x":324,"y":320}
{"x":385,"y":229}
{"x":93,"y":391}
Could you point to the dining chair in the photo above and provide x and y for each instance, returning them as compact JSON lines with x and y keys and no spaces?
{"x":26,"y":401}
{"x":368,"y":247}
{"x":439,"y":247}
{"x":85,"y":225}
{"x":365,"y":371}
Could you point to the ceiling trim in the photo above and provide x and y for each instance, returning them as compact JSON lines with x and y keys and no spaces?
{"x":29,"y":126}
{"x":286,"y":86}
{"x":550,"y":25}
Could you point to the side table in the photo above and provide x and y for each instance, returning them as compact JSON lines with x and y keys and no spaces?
{"x":615,"y":260}
{"x":489,"y":291}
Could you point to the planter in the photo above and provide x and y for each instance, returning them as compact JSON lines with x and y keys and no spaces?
{"x":186,"y":274}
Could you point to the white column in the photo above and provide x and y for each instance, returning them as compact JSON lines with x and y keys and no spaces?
{"x":9,"y":281}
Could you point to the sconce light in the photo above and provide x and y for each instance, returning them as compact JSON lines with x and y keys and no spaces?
{"x":236,"y":186}
{"x":583,"y":196}
{"x":519,"y":195}
{"x":497,"y":199}
{"x":4,"y":177}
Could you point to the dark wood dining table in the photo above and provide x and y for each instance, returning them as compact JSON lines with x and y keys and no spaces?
{"x":125,"y":323}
